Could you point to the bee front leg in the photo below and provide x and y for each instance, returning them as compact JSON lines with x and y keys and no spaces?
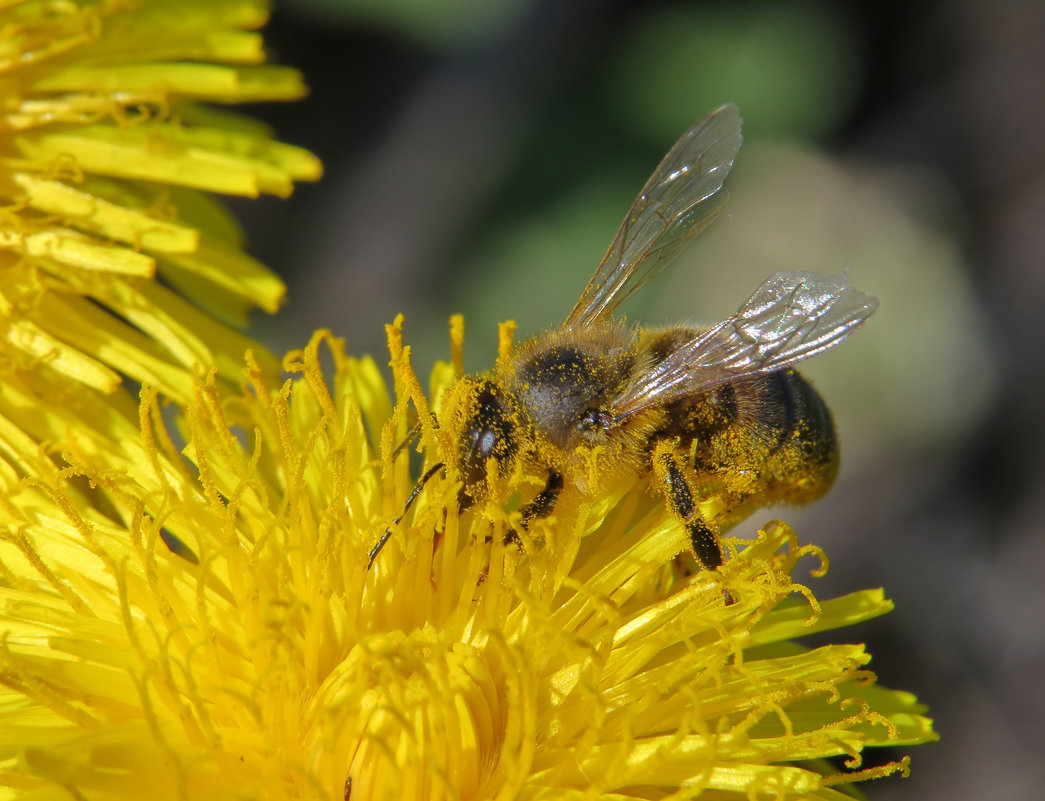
{"x":680,"y":500}
{"x":420,"y":485}
{"x":539,"y":507}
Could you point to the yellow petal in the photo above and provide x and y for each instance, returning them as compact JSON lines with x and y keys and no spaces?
{"x":89,"y":212}
{"x":33,"y":341}
{"x":63,"y":248}
{"x":153,"y":82}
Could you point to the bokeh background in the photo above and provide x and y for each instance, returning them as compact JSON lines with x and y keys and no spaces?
{"x":480,"y":156}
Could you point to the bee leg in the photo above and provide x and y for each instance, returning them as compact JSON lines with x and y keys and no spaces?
{"x":539,"y":507}
{"x":680,"y":499}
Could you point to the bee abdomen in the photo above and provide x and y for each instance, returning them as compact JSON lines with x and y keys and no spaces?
{"x":805,"y":419}
{"x":803,"y":460}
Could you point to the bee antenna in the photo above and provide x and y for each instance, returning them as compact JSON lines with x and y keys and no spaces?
{"x":406,"y":507}
{"x":411,"y":435}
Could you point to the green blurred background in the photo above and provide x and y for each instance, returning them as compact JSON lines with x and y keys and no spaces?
{"x":480,"y":156}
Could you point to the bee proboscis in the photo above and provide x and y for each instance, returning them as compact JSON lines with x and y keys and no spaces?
{"x":715,"y":418}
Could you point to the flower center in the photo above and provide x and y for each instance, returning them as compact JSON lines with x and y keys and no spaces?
{"x":408,"y":715}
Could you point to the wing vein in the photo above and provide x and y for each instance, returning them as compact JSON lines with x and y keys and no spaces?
{"x":681,"y":198}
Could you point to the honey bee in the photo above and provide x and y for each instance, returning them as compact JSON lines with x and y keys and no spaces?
{"x":715,"y":419}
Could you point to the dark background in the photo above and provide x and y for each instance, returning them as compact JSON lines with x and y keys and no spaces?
{"x":479,"y":156}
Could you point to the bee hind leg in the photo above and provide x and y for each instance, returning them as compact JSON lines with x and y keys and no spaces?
{"x":679,"y":495}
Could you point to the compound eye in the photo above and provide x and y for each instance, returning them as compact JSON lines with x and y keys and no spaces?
{"x":486,"y":444}
{"x":489,"y":434}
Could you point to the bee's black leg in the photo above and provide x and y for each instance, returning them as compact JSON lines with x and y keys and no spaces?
{"x":680,"y":498}
{"x":539,"y":507}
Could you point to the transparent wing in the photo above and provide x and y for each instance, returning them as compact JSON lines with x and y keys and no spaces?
{"x":678,"y":201}
{"x":791,"y":317}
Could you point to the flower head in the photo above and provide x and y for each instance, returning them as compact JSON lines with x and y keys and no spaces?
{"x":268,"y":659}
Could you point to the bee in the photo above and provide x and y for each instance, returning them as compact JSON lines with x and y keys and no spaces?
{"x":715,"y":419}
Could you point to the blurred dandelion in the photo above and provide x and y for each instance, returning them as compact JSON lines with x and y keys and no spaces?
{"x":105,"y":147}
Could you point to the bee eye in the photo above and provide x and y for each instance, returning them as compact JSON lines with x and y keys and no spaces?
{"x":489,"y":435}
{"x":486,"y":443}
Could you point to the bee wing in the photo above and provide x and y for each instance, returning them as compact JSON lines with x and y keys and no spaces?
{"x":679,"y":200}
{"x":791,"y":317}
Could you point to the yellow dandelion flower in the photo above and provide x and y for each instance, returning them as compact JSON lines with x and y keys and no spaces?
{"x":265,"y":659}
{"x":104,"y":150}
